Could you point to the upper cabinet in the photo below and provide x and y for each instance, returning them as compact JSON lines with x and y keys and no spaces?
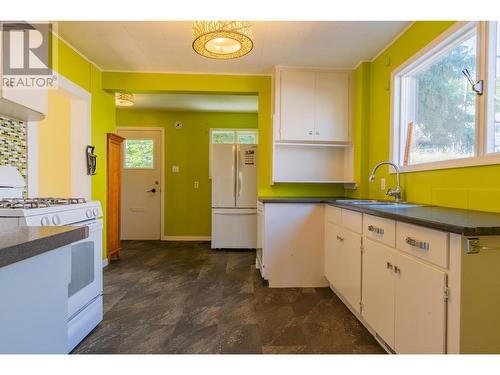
{"x":312,"y":125}
{"x":312,"y":106}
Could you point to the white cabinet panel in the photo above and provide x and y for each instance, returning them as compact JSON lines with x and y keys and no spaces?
{"x":297,"y":105}
{"x":331,"y":103}
{"x":420,"y":311}
{"x":330,"y":251}
{"x":378,"y":289}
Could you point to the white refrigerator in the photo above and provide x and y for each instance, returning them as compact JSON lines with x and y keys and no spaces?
{"x":234,"y":196}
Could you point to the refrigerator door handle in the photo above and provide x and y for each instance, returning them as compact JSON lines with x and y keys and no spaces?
{"x":239,"y":182}
{"x":235,"y":170}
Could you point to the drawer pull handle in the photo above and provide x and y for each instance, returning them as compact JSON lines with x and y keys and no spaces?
{"x":416,"y":243}
{"x":397,"y":269}
{"x":389,"y":265}
{"x":375,"y":229}
{"x":341,"y":239}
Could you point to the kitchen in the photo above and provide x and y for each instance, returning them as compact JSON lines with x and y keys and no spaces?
{"x":186,"y":191}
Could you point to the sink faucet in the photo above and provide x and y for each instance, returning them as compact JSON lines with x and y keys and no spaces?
{"x":396,"y":193}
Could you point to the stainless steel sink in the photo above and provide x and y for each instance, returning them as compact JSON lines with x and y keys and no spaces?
{"x":376,"y":203}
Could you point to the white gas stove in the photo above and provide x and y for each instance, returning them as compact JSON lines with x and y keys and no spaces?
{"x":85,"y":304}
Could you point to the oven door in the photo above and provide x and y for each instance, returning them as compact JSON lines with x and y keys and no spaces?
{"x":86,"y":269}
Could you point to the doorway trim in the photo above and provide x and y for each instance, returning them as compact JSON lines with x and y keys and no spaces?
{"x":162,"y":169}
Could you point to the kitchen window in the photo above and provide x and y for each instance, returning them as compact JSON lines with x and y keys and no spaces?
{"x":231,"y":136}
{"x":439,"y":120}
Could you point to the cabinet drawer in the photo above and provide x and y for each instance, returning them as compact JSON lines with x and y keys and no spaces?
{"x":352,"y":220}
{"x":428,"y":244}
{"x":333,"y":215}
{"x":380,"y":229}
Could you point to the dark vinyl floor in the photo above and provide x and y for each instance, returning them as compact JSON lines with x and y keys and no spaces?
{"x":182,"y":297}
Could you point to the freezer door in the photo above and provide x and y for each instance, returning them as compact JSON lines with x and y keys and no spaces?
{"x":234,"y":228}
{"x":246,"y":179}
{"x":223,"y":175}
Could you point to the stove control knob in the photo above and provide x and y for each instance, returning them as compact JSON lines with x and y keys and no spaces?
{"x":45,"y":221}
{"x":89,"y":213}
{"x":95,"y":211}
{"x":56,"y":220}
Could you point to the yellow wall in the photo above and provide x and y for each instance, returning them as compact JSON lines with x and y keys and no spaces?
{"x":54,"y":148}
{"x":210,"y":83}
{"x":80,"y":71}
{"x":187,"y":210}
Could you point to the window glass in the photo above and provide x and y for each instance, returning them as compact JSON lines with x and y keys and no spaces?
{"x":438,"y":112}
{"x":249,"y":138}
{"x":222,"y":136}
{"x":139,"y":153}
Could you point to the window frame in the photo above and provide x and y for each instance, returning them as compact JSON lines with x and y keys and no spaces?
{"x":483,"y":121}
{"x":235,"y":131}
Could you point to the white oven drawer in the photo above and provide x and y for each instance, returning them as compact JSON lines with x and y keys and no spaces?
{"x":380,"y":229}
{"x":428,"y":244}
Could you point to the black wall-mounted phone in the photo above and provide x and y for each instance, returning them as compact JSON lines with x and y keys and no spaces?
{"x":91,"y":161}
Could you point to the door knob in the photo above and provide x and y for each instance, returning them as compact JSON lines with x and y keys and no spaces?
{"x":151,"y":191}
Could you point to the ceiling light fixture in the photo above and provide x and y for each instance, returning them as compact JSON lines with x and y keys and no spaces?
{"x":222,"y":39}
{"x":124,"y":99}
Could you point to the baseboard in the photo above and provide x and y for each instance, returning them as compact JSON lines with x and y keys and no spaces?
{"x":104,"y":262}
{"x":186,"y":238}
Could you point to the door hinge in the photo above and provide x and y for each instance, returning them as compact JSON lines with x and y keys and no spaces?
{"x":446,"y":294}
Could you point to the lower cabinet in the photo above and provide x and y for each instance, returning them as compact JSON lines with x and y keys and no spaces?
{"x":343,"y":262}
{"x":404,"y":300}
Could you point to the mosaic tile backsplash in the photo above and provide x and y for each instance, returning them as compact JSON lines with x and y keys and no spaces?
{"x":13,"y":146}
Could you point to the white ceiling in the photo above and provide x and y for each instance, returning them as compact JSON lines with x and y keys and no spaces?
{"x":203,"y":103}
{"x":153,"y":46}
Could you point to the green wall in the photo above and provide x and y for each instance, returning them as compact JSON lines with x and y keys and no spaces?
{"x":74,"y":67}
{"x":224,"y":84}
{"x":470,"y":187}
{"x":187,"y":210}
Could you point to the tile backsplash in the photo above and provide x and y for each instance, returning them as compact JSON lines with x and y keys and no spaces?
{"x":13,"y":144}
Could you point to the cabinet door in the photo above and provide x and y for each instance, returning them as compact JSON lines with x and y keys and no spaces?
{"x":331,"y":107}
{"x":297,"y":106}
{"x":420,"y":311}
{"x":347,"y":265}
{"x":378,"y":289}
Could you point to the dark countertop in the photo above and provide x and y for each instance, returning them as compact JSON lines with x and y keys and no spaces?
{"x":19,"y":243}
{"x":454,"y":220}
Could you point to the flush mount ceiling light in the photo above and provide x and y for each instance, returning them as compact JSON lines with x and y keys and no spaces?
{"x":123,"y":99}
{"x":222,"y":39}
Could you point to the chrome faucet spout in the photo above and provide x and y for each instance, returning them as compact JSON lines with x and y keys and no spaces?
{"x":396,"y":193}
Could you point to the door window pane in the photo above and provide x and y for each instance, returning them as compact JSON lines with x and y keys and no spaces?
{"x":139,"y":153}
{"x":438,"y":106}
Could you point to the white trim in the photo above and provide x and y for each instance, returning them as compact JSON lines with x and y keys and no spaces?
{"x":488,"y":159}
{"x":186,"y":238}
{"x":163,"y":163}
{"x":32,"y":156}
{"x":105,"y":262}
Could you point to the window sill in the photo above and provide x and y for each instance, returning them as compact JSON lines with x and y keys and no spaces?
{"x":476,"y":161}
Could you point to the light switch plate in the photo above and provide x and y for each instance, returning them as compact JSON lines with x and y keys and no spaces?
{"x":196,"y":184}
{"x":175,"y":169}
{"x":382,"y":184}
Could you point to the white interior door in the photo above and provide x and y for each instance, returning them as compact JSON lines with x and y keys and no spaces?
{"x":141,"y":184}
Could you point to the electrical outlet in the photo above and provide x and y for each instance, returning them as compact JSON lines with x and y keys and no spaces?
{"x":175,"y":169}
{"x":382,"y":184}
{"x":196,"y":184}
